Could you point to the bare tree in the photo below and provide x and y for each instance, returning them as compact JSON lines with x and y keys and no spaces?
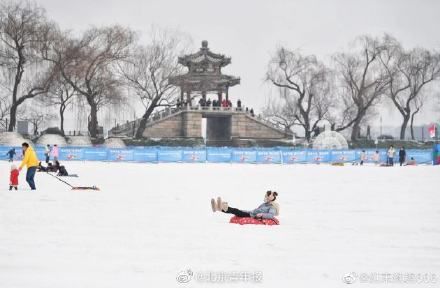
{"x":88,"y":65}
{"x":409,"y":73}
{"x":25,"y":35}
{"x":307,"y":99}
{"x":36,"y":116}
{"x":62,"y":95}
{"x":362,"y":82}
{"x":281,"y":110}
{"x":149,"y":69}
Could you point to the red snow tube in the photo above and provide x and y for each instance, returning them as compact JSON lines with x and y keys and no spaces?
{"x":250,"y":220}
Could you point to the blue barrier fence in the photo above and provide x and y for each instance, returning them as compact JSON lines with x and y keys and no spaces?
{"x":279,"y":155}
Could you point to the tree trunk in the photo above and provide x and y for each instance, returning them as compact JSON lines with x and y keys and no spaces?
{"x":307,"y":134}
{"x":356,"y":130}
{"x":141,"y":128}
{"x":62,"y":118}
{"x":35,"y":129}
{"x":412,"y":126}
{"x":403,"y":127}
{"x":93,"y":125}
{"x":13,"y":116}
{"x":143,"y":123}
{"x":17,"y":80}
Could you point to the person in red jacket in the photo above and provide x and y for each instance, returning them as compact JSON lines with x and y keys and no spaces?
{"x":13,"y":179}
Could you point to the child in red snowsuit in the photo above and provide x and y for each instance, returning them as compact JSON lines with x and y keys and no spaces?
{"x":13,"y":179}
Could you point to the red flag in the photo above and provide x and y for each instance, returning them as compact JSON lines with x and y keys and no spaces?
{"x":431,"y":130}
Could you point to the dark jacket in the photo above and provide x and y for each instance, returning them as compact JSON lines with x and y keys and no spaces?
{"x":62,"y":171}
{"x":11,"y":153}
{"x":402,"y":154}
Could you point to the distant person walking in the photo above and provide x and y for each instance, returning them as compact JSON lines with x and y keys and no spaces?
{"x":55,"y":152}
{"x":376,"y":158}
{"x":11,"y":153}
{"x":390,"y":156}
{"x":47,"y":150}
{"x":363,"y":157}
{"x":30,"y":160}
{"x":402,"y":155}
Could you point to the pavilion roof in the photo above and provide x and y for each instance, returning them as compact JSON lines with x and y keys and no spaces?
{"x":204,"y":55}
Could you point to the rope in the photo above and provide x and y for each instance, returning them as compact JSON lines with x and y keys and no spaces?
{"x":60,"y":179}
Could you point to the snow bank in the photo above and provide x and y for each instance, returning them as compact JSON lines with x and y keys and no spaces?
{"x":12,"y":139}
{"x":114,"y":143}
{"x":52,"y":139}
{"x":79,"y":141}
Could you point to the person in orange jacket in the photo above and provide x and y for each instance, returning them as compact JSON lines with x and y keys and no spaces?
{"x":30,"y":160}
{"x":13,"y":178}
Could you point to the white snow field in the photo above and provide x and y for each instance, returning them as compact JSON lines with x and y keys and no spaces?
{"x":151,"y":222}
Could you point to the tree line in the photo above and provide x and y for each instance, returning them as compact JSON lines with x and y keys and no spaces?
{"x":55,"y":68}
{"x":43,"y":65}
{"x":346,"y":92}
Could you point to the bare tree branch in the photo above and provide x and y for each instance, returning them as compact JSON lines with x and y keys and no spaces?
{"x":25,"y":36}
{"x":149,"y":68}
{"x":306,"y":90}
{"x":362,"y":82}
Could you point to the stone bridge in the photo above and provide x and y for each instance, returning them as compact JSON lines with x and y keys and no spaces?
{"x":223,"y":126}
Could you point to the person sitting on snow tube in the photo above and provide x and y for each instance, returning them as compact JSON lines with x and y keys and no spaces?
{"x":41,"y":168}
{"x":267,"y":210}
{"x":411,"y":162}
{"x":51,"y":168}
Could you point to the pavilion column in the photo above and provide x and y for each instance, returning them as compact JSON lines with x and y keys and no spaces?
{"x":227,"y":93}
{"x":181,"y":95}
{"x":220,"y":98}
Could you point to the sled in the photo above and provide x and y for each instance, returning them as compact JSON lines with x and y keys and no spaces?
{"x":86,"y":188}
{"x":250,"y":220}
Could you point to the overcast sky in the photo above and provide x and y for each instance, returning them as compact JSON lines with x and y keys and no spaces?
{"x":250,"y":30}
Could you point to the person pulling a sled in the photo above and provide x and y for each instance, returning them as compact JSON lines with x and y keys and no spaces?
{"x":267,"y":210}
{"x":30,"y":160}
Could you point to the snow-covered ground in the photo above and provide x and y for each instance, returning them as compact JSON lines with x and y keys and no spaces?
{"x":114,"y":143}
{"x":12,"y":139}
{"x":149,"y":222}
{"x":79,"y":141}
{"x":51,"y":139}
